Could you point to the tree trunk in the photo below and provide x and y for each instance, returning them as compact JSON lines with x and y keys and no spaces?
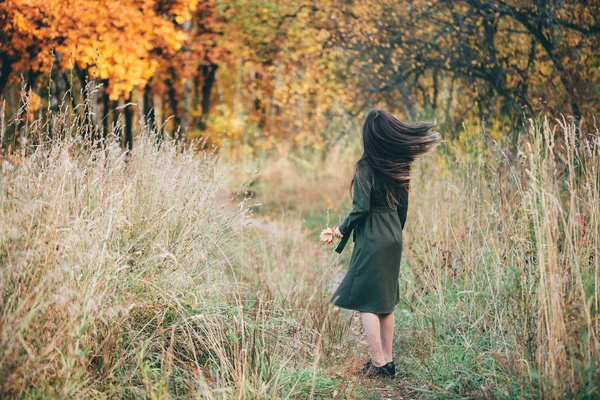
{"x":31,"y":79}
{"x":448,"y":119}
{"x":405,"y":92}
{"x":434,"y":102}
{"x":105,"y":111}
{"x":149,"y":113}
{"x":128,"y":111}
{"x":87,"y":128}
{"x":5,"y":71}
{"x":117,"y":123}
{"x":208,"y":73}
{"x":174,"y":103}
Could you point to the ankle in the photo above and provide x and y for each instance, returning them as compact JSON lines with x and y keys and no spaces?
{"x":378,"y":363}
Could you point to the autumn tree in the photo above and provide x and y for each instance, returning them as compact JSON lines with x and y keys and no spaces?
{"x":112,"y":41}
{"x":489,"y":58}
{"x":185,"y":80}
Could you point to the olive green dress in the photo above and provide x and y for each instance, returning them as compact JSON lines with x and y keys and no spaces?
{"x":371,"y":283}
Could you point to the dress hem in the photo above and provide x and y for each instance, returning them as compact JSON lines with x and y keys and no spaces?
{"x":365,"y":310}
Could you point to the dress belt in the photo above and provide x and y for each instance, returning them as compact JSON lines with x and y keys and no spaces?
{"x":382,"y":210}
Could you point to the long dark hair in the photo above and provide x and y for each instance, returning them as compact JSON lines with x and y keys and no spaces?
{"x":390,"y":148}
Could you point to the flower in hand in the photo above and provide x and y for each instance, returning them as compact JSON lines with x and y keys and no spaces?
{"x":327,"y":235}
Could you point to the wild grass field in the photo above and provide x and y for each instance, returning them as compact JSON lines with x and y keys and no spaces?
{"x":172,"y":273}
{"x":167,"y":166}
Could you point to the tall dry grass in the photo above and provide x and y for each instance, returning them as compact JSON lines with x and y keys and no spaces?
{"x":141,"y":275}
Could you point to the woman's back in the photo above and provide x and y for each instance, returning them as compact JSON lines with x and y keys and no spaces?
{"x":379,"y":194}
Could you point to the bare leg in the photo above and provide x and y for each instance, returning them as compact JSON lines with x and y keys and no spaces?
{"x":370,"y":323}
{"x":386,"y":322}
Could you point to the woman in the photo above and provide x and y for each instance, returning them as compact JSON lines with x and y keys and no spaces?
{"x":380,"y":201}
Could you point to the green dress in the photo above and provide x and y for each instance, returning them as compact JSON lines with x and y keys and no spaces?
{"x":371,"y":283}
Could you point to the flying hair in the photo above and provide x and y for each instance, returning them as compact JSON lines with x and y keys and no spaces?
{"x":390,"y":148}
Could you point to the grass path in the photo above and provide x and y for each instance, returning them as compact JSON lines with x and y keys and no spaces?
{"x":375,"y":389}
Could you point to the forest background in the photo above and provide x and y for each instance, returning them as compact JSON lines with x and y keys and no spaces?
{"x":261,"y":71}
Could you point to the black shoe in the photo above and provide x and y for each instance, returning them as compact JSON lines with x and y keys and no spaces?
{"x":388,"y":370}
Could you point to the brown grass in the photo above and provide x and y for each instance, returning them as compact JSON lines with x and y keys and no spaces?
{"x":141,"y":276}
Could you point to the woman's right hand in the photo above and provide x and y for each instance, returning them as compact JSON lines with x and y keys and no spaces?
{"x":337,"y":233}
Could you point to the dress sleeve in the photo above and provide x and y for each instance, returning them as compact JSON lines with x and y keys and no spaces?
{"x":402,"y":206}
{"x":361,"y":203}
